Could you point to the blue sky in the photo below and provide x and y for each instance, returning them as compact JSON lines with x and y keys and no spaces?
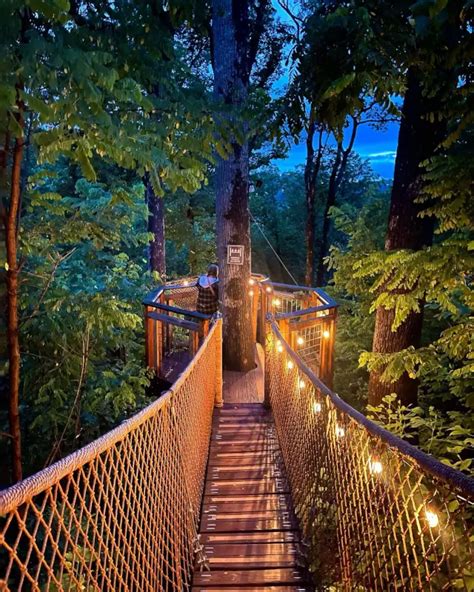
{"x":378,"y":146}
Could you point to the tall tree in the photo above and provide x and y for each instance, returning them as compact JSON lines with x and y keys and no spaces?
{"x":156,"y":228}
{"x":431,"y":80}
{"x":235,"y":44}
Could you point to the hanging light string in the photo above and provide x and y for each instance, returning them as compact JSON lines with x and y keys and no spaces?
{"x":271,"y":247}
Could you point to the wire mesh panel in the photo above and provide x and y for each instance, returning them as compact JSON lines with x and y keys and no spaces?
{"x":121,"y":513}
{"x":376,"y":513}
{"x":308,"y":346}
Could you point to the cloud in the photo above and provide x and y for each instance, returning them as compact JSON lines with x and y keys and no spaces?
{"x":385,"y":156}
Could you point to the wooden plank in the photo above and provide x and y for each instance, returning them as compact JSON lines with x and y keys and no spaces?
{"x":246,"y":487}
{"x":275,"y":536}
{"x":253,"y":562}
{"x":249,"y":577}
{"x":251,"y":503}
{"x":246,"y":523}
{"x":295,"y":588}
{"x":268,"y":472}
{"x":245,"y":549}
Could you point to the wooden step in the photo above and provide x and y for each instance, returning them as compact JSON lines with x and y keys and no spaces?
{"x":250,"y":577}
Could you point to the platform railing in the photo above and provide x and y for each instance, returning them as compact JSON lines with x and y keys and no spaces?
{"x":174,"y":329}
{"x":121,"y":513}
{"x":307,"y":318}
{"x":375,"y":512}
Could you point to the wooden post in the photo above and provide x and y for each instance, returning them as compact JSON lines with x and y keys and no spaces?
{"x":328,"y":333}
{"x":267,"y":364}
{"x":218,"y":398}
{"x":148,"y":337}
{"x":255,"y":300}
{"x":158,"y":333}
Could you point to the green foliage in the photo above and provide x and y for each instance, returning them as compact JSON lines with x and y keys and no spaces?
{"x":81,"y":319}
{"x":447,"y":436}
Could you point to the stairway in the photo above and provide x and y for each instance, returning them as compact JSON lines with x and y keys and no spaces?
{"x":248,"y":527}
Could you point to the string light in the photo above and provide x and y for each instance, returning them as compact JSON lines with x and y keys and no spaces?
{"x":375,"y":466}
{"x":340,"y":432}
{"x":279,"y":347}
{"x":251,"y":282}
{"x":431,"y":518}
{"x":290,"y":365}
{"x":317,"y":407}
{"x":250,"y":293}
{"x":185,"y":283}
{"x":326,"y":334}
{"x":269,"y":289}
{"x":300,"y":341}
{"x":276,"y":301}
{"x":302,"y":384}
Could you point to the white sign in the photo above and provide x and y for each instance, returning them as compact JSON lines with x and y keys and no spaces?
{"x":235,"y":254}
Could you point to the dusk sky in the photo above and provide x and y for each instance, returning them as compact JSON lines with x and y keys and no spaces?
{"x":379,"y":147}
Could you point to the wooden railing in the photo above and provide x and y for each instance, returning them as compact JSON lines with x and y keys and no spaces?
{"x":307,"y":318}
{"x":174,"y":329}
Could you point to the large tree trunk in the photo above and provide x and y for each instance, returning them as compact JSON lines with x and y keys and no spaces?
{"x":13,"y":340}
{"x":231,"y":74}
{"x":156,"y":226}
{"x":417,"y":141}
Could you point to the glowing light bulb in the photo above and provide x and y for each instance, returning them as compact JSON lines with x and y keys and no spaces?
{"x":302,"y":384}
{"x":340,"y":432}
{"x":276,"y":301}
{"x":317,"y":407}
{"x":375,"y":466}
{"x":290,"y":365}
{"x":185,"y":283}
{"x":268,"y":289}
{"x":250,"y":293}
{"x":251,"y":281}
{"x":279,"y":347}
{"x":300,"y":341}
{"x":431,"y":518}
{"x":326,"y":334}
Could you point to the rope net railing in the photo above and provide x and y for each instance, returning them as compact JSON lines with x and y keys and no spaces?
{"x":121,"y":513}
{"x":375,"y":512}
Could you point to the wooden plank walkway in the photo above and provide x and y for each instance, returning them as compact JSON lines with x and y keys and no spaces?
{"x":248,"y":527}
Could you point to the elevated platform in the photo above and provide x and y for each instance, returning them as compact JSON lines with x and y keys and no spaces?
{"x":246,"y":387}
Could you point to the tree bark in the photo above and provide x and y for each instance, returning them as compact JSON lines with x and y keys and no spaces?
{"x":335,"y":180}
{"x":311,"y":172}
{"x":417,"y":141}
{"x":156,"y":226}
{"x":231,"y":75}
{"x":13,"y":340}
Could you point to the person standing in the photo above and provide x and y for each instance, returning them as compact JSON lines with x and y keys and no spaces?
{"x":208,"y":291}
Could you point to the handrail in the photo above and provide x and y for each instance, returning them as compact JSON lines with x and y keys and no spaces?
{"x":303,"y":312}
{"x":445,"y":473}
{"x":177,"y":310}
{"x":104,"y":517}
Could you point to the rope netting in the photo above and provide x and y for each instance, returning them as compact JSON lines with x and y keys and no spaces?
{"x":121,"y":513}
{"x":376,"y":513}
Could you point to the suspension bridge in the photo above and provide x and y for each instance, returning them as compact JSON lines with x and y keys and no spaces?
{"x":266,"y":481}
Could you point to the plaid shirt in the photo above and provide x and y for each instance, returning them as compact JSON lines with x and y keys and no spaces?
{"x":208,"y":298}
